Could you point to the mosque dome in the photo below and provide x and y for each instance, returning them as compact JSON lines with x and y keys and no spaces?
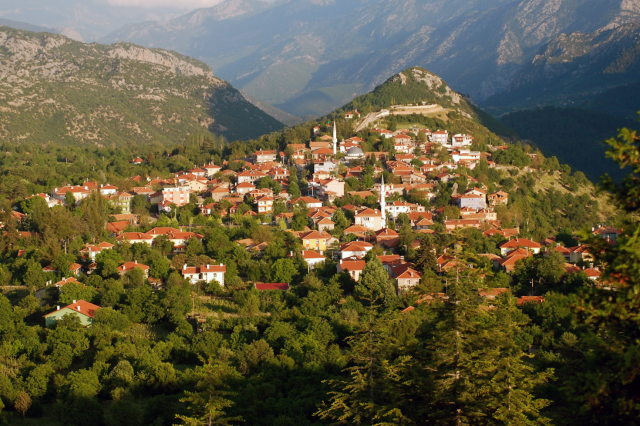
{"x":355,"y":152}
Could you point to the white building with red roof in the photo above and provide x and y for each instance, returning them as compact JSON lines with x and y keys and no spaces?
{"x":516,"y":243}
{"x":250,"y":176}
{"x":206,"y":273}
{"x":440,"y":136}
{"x":79,"y":193}
{"x":313,"y":258}
{"x":355,"y":249}
{"x":211,"y":169}
{"x":84,"y":310}
{"x":461,"y":139}
{"x":407,"y":279}
{"x":108,"y":189}
{"x":261,"y":156}
{"x":92,"y":250}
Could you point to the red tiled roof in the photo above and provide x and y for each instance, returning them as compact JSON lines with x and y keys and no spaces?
{"x":352,"y":265}
{"x":132,"y":265}
{"x":530,"y":299}
{"x":81,"y":306}
{"x":492,"y":293}
{"x":272,"y":286}
{"x":203,"y":268}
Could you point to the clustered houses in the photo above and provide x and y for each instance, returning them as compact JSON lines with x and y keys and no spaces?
{"x":416,"y":164}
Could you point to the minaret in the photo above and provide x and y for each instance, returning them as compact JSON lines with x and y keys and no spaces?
{"x":335,"y":139}
{"x":383,"y":204}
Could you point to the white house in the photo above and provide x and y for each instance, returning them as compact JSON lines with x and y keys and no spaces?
{"x":108,"y":189}
{"x":461,"y":140}
{"x":355,"y":249}
{"x":465,"y":155}
{"x":313,"y":258}
{"x":205,"y":273}
{"x":397,"y":207}
{"x":440,"y":136}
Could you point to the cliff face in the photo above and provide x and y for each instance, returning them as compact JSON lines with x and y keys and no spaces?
{"x":52,"y":88}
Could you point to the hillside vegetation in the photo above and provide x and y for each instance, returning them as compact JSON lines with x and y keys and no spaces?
{"x":56,"y":89}
{"x":576,"y":136}
{"x":416,"y":85}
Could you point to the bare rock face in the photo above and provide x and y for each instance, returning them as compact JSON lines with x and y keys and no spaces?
{"x":631,"y":5}
{"x":166,"y":59}
{"x":70,"y":33}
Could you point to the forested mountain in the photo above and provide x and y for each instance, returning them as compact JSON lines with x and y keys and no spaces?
{"x":57,"y":89}
{"x":310,"y":57}
{"x":576,"y":136}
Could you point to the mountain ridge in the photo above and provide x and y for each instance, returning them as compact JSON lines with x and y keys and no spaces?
{"x":55,"y":87}
{"x":366,"y":45}
{"x":573,"y":68}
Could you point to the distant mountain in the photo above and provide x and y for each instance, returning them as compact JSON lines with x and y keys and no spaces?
{"x":83,"y":20}
{"x":576,"y":68}
{"x":57,"y":89}
{"x":25,"y":26}
{"x":576,"y":136}
{"x":310,"y":56}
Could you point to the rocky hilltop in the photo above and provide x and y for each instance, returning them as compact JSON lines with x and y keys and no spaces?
{"x":53,"y":88}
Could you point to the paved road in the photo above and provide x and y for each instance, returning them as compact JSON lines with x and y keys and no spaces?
{"x":370,"y":118}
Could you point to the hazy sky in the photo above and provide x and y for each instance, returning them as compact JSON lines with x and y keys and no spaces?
{"x":179,"y":4}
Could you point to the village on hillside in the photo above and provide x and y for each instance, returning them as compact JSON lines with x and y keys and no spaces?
{"x":307,"y":190}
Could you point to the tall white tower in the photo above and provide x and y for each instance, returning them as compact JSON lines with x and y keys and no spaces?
{"x":335,"y":139}
{"x":383,"y":204}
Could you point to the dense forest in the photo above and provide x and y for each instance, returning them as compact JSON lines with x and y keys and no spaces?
{"x":573,"y":135}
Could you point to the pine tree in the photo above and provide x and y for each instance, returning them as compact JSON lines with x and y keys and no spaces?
{"x":458,"y":367}
{"x":372,"y":393}
{"x":426,"y":256}
{"x":375,"y":278}
{"x":510,"y":391}
{"x":209,"y":402}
